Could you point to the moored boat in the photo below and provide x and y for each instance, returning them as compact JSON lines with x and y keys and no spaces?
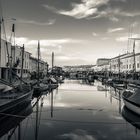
{"x":132,"y":118}
{"x":131,"y":98}
{"x":10,"y":100}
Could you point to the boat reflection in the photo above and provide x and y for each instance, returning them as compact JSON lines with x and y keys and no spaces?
{"x":102,"y":88}
{"x":52,"y":104}
{"x":10,"y":122}
{"x":131,"y":117}
{"x":38,"y":113}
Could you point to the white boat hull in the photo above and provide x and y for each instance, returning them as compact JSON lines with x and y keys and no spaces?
{"x":132,"y":107}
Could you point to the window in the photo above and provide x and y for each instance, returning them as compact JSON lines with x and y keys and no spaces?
{"x":18,"y":71}
{"x":138,"y":65}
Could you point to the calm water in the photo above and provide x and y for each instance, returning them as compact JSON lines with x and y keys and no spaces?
{"x":76,"y":111}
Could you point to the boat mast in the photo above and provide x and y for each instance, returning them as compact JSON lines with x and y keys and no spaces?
{"x":10,"y":59}
{"x":52,"y":60}
{"x":119,"y":65}
{"x":22,"y":63}
{"x":38,"y":55}
{"x":0,"y":38}
{"x":134,"y":64}
{"x":134,"y":56}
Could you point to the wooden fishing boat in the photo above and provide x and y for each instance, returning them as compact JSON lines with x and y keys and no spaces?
{"x":131,"y":98}
{"x":39,"y":87}
{"x":11,"y":99}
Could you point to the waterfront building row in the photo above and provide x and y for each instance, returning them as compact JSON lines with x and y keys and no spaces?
{"x":11,"y":56}
{"x":125,"y":63}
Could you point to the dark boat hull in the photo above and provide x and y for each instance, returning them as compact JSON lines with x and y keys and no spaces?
{"x":12,"y":120}
{"x":131,"y":99}
{"x":10,"y":106}
{"x":131,"y":117}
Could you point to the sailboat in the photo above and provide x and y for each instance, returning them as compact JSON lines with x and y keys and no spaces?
{"x":131,"y":96}
{"x":13,"y":96}
{"x":51,"y":81}
{"x":39,"y":87}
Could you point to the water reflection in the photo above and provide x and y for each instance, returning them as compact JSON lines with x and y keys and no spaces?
{"x":102,"y":88}
{"x":74,"y":113}
{"x":52,"y":104}
{"x":10,"y":122}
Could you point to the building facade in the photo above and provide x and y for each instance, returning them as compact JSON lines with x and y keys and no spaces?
{"x":125,"y":63}
{"x":43,"y":66}
{"x":17,"y":60}
{"x":5,"y":51}
{"x":102,"y":61}
{"x":11,"y":56}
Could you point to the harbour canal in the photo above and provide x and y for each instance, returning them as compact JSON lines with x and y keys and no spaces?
{"x":76,"y":111}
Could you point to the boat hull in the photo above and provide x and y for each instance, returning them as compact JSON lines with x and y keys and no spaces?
{"x":131,"y":117}
{"x":131,"y":106}
{"x":10,"y":121}
{"x":11,"y":105}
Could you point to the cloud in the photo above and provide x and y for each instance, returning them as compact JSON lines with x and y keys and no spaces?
{"x":47,"y":46}
{"x":44,"y":42}
{"x":105,"y":38}
{"x":134,"y":24}
{"x":115,"y":30}
{"x":85,"y":9}
{"x":78,"y":134}
{"x":94,"y":34}
{"x":122,"y":39}
{"x":49,"y":22}
{"x":130,"y":14}
{"x":91,"y":9}
{"x":114,"y":19}
{"x":21,"y":40}
{"x":126,"y":38}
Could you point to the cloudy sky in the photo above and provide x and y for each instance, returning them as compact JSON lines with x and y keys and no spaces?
{"x":77,"y":31}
